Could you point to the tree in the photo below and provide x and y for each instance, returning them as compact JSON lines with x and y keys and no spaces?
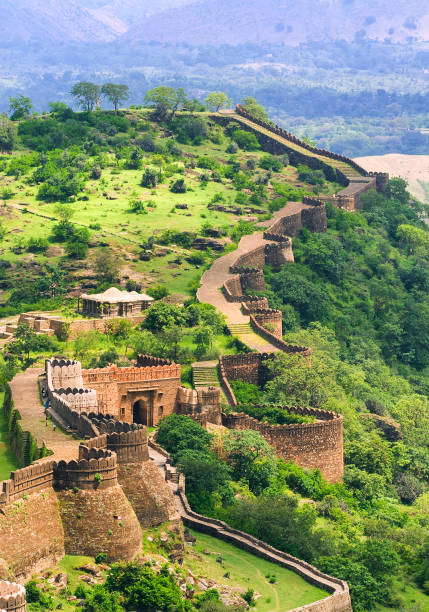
{"x":161,"y":315}
{"x":115,"y":94}
{"x":77,"y":243}
{"x":256,"y":110}
{"x":151,"y":178}
{"x":293,"y":383}
{"x":413,"y":237}
{"x":8,"y":135}
{"x":216,"y":100}
{"x":107,"y":266}
{"x":87,"y":95}
{"x":19,"y":107}
{"x":251,"y":458}
{"x":205,"y":474}
{"x":178,"y":433}
{"x":143,"y":342}
{"x":203,"y":338}
{"x":164,"y":99}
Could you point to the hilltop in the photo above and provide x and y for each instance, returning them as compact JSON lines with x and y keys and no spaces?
{"x":205,"y":23}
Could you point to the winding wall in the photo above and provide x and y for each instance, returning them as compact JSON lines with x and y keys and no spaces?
{"x":337,"y":601}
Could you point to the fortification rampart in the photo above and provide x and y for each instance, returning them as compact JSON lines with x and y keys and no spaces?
{"x":12,"y":597}
{"x":288,"y":136}
{"x":26,"y":481}
{"x":247,"y":367}
{"x":316,"y":445}
{"x":337,"y":601}
{"x":339,"y":168}
{"x":95,"y":469}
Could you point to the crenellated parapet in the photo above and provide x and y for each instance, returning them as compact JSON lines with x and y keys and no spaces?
{"x":26,"y":481}
{"x":12,"y":597}
{"x":97,"y":471}
{"x":114,"y":373}
{"x":202,"y":404}
{"x":63,"y":374}
{"x":129,"y":446}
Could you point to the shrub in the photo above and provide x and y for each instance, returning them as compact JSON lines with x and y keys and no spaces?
{"x":232,"y":148}
{"x":151,"y":178}
{"x":245,"y":140}
{"x":178,"y":186}
{"x":158,"y":292}
{"x":37,"y":245}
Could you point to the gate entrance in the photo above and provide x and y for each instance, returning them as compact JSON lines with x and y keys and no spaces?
{"x":141,"y":413}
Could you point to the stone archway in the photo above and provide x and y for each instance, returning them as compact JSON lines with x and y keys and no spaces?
{"x":141,"y":412}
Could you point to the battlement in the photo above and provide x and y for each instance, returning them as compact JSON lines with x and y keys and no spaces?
{"x":63,"y":374}
{"x":114,"y":373}
{"x":12,"y":597}
{"x":202,"y":404}
{"x":97,"y":471}
{"x":129,"y":446}
{"x":275,"y":129}
{"x":26,"y":481}
{"x":147,"y":361}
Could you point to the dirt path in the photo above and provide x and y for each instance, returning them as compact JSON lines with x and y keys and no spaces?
{"x":212,"y":280}
{"x":25,"y":392}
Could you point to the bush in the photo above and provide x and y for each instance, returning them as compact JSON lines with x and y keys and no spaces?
{"x":245,"y":140}
{"x":269,"y":162}
{"x":37,"y":245}
{"x":178,"y":186}
{"x":158,"y":292}
{"x":232,"y":148}
{"x":151,"y":178}
{"x":177,"y":433}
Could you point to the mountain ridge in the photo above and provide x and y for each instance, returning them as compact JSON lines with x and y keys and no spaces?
{"x":201,"y":22}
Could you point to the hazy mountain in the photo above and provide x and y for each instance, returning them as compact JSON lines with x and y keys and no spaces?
{"x":50,"y":20}
{"x":285,"y":21}
{"x":211,"y":22}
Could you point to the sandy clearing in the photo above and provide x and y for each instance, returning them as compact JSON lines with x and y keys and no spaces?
{"x":413,"y":168}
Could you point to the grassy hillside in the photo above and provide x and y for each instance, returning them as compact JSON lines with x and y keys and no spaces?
{"x":79,"y":178}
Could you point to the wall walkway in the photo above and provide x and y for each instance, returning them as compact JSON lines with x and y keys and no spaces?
{"x":339,"y":598}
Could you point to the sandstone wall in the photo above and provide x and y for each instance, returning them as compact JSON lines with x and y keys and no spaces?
{"x":316,"y":445}
{"x":148,"y":493}
{"x":119,"y":388}
{"x":99,"y":521}
{"x":31,"y":533}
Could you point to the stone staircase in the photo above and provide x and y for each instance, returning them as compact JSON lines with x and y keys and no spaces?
{"x":245,"y":333}
{"x":205,"y":374}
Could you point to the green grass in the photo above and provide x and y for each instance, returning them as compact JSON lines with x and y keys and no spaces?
{"x":248,"y":571}
{"x":410,"y":596}
{"x":8,"y":459}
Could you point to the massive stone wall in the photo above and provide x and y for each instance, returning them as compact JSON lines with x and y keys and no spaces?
{"x":310,"y":445}
{"x":31,"y":532}
{"x":247,"y":367}
{"x":348,"y":173}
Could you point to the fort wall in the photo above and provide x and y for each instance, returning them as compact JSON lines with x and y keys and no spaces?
{"x":337,"y":601}
{"x":316,"y":445}
{"x":99,"y":520}
{"x":12,"y":597}
{"x":31,"y":531}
